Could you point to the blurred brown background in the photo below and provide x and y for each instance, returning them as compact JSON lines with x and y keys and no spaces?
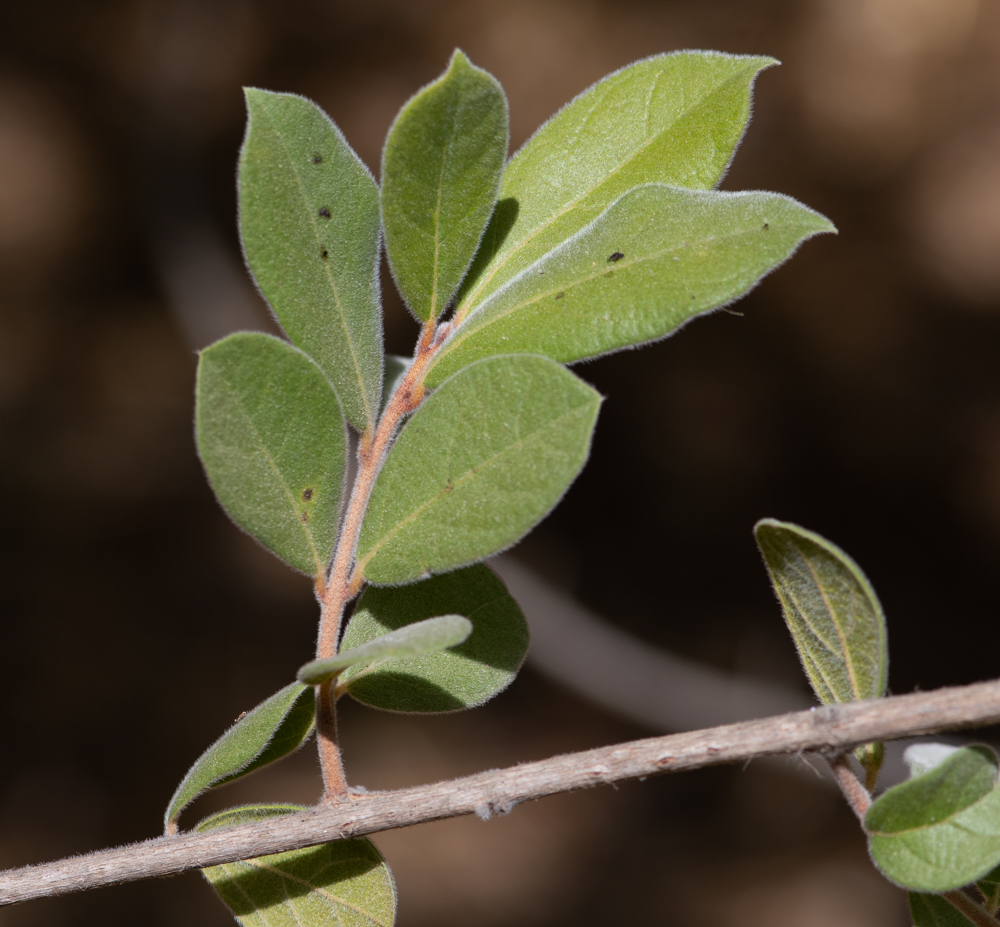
{"x":857,"y":392}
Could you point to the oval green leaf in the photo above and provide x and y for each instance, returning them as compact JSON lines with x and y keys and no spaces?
{"x":345,"y":882}
{"x":940,"y":830}
{"x":479,"y":464}
{"x":272,"y":439}
{"x":657,"y":257}
{"x":441,"y":168}
{"x":449,"y":680}
{"x":831,"y":611}
{"x":934,"y":911}
{"x":673,"y":119}
{"x":411,"y":641}
{"x":310,"y":228}
{"x":275,"y":728}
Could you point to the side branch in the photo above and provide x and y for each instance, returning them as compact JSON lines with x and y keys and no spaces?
{"x":830,"y":728}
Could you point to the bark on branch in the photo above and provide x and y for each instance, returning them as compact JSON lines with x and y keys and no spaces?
{"x":829,"y":728}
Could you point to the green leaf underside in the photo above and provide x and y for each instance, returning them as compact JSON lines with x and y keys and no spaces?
{"x":934,"y":911}
{"x":275,"y":728}
{"x":941,"y":830}
{"x":272,"y":439}
{"x":656,"y":258}
{"x":673,"y":118}
{"x":408,"y":642}
{"x":989,"y":885}
{"x":462,"y":677}
{"x":441,"y":168}
{"x":345,"y":882}
{"x":309,"y":220}
{"x":831,"y":611}
{"x":481,"y":462}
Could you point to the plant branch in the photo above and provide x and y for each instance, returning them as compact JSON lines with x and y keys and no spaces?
{"x":344,"y":581}
{"x":856,"y":794}
{"x":827,"y":728}
{"x":974,"y":912}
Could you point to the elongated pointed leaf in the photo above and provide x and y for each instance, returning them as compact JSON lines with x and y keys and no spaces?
{"x":346,"y":882}
{"x":414,"y":640}
{"x":668,"y":119}
{"x":272,"y":439}
{"x":934,"y":911}
{"x":273,"y":729}
{"x":310,"y":227}
{"x":831,"y":610}
{"x":486,"y":457}
{"x":461,"y":677}
{"x":940,"y":830}
{"x":653,"y":260}
{"x":441,"y":169}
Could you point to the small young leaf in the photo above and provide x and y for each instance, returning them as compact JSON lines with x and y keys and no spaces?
{"x":940,"y":830}
{"x":395,"y":370}
{"x":657,"y":257}
{"x":934,"y":911}
{"x":668,"y":119}
{"x":441,"y":169}
{"x":462,"y":677}
{"x":989,"y":885}
{"x":310,"y":227}
{"x":831,"y":610}
{"x":275,"y":728}
{"x":345,"y":882}
{"x":272,"y":439}
{"x":482,"y":461}
{"x":414,"y":640}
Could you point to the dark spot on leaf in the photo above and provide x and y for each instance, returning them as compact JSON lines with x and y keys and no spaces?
{"x":325,"y":255}
{"x":307,"y":493}
{"x":692,"y":295}
{"x":766,"y":226}
{"x":617,"y":256}
{"x":560,"y":294}
{"x":305,"y":517}
{"x":324,"y":212}
{"x":317,"y":158}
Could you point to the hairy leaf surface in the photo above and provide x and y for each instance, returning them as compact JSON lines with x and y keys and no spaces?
{"x":272,"y":439}
{"x":657,"y":257}
{"x":310,"y":226}
{"x":831,"y":611}
{"x":940,"y":830}
{"x":345,"y":883}
{"x":275,"y":728}
{"x":413,"y":640}
{"x":441,"y":169}
{"x":934,"y":911}
{"x":482,"y":461}
{"x":673,"y":119}
{"x":462,"y":677}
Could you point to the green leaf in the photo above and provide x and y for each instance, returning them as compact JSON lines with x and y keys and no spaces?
{"x":310,"y":227}
{"x":414,"y":640}
{"x":989,"y":885}
{"x":657,"y":257}
{"x":345,"y":882}
{"x":831,"y":611}
{"x":481,"y":462}
{"x":934,"y":911}
{"x":940,"y":830}
{"x":462,"y":677}
{"x":673,"y":119}
{"x":275,"y":728}
{"x":441,"y":169}
{"x":395,"y":370}
{"x":272,"y":439}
